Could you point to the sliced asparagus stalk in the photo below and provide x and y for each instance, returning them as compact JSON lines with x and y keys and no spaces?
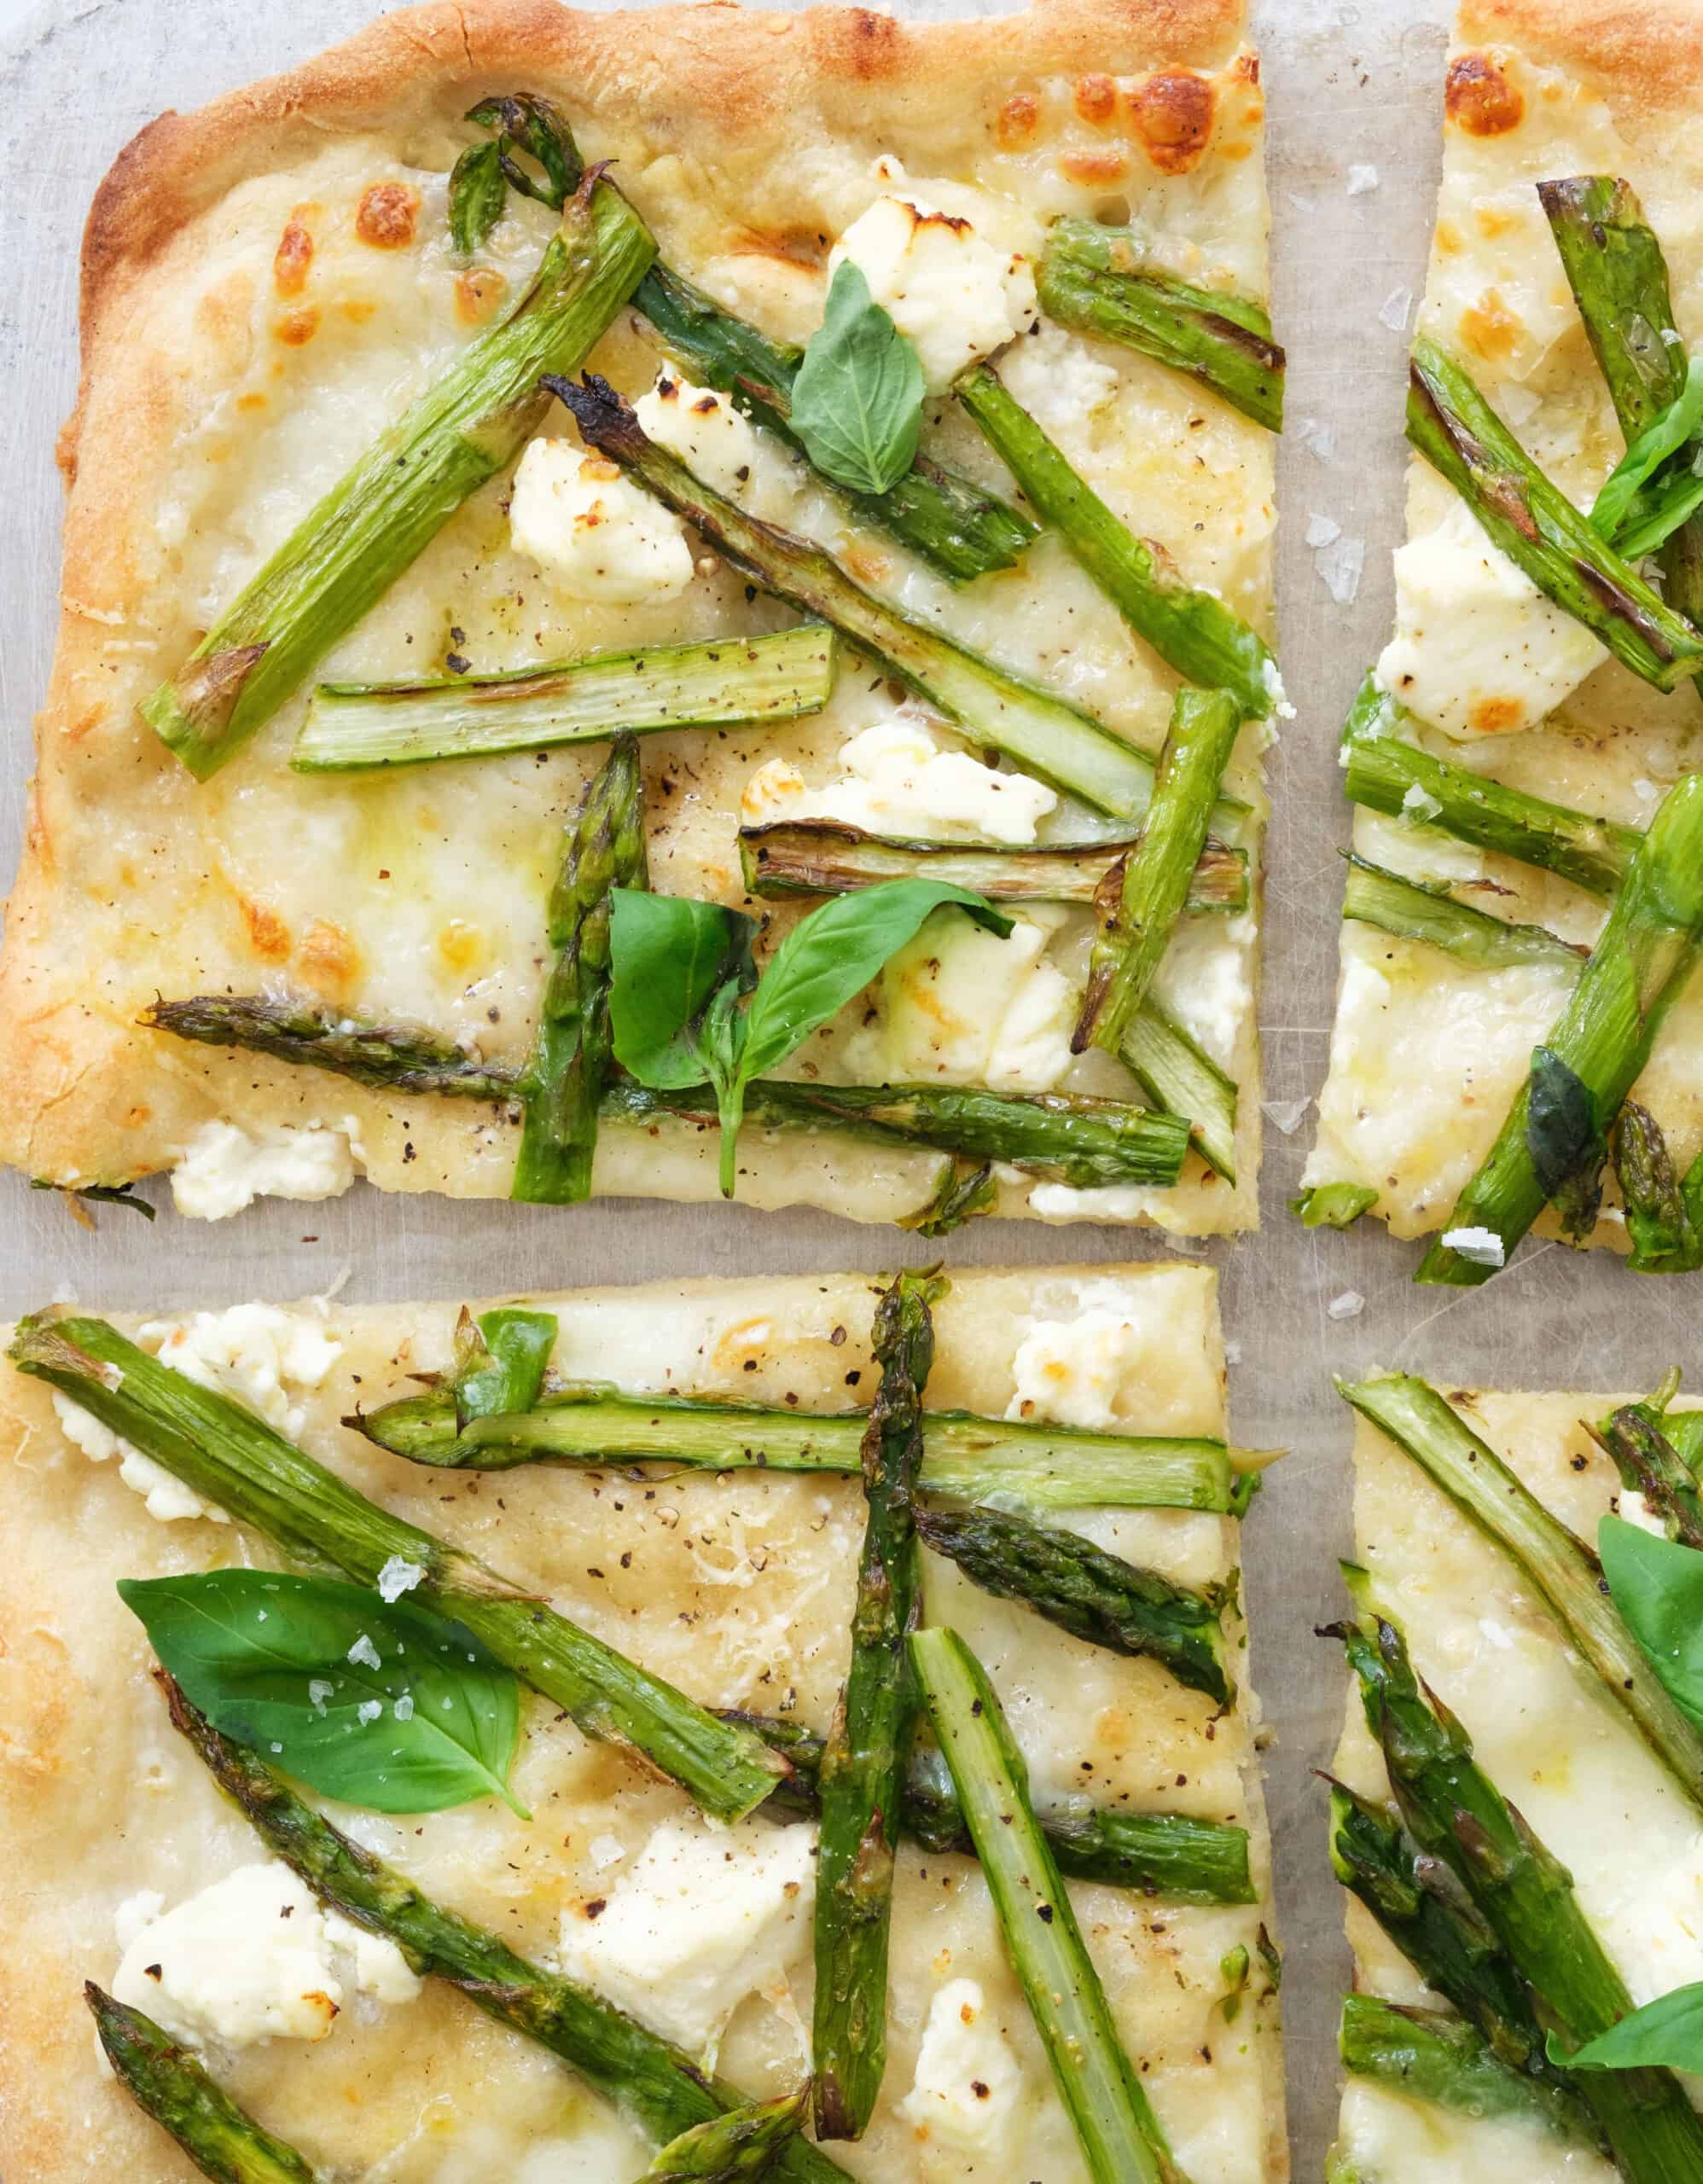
{"x":1642,"y":960}
{"x":1430,"y":2055}
{"x":1043,"y":734}
{"x":573,"y":1047}
{"x":1097,"y":1597}
{"x":1192,"y":631}
{"x":169,"y":2084}
{"x":224,"y":1453}
{"x":745,"y":2144}
{"x":964,"y":1193}
{"x":1057,"y":1137}
{"x":393,"y":1057}
{"x":1093,"y":278}
{"x":1422,"y":1906}
{"x":804,"y":857}
{"x":866,"y":1757}
{"x":1164,"y":1854}
{"x":822,"y":856}
{"x":993,"y":1460}
{"x":1648,"y":1464}
{"x":1332,"y":1205}
{"x":350,"y":547}
{"x":1120,"y":2137}
{"x":1137,"y":922}
{"x":1180,"y":1078}
{"x":1664,"y":1213}
{"x":960,"y":526}
{"x":1563,"y":1571}
{"x":1457,"y":431}
{"x":1054,"y":1137}
{"x":1414,"y":909}
{"x":663,"y":2091}
{"x":1455,"y":1813}
{"x":1619,"y":276}
{"x":1383,"y":771}
{"x":713,"y":683}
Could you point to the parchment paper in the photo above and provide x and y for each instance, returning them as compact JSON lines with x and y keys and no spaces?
{"x":1350,"y":87}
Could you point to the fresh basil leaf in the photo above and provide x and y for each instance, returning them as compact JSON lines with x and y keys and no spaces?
{"x":1565,"y":1139}
{"x":478,"y":192}
{"x":507,"y":1371}
{"x":1666,"y":2034}
{"x":1658,"y":513}
{"x":829,"y":957}
{"x":1676,"y":425}
{"x":857,"y":397}
{"x":285,"y":1665}
{"x":668,"y":955}
{"x":1657,"y":1588}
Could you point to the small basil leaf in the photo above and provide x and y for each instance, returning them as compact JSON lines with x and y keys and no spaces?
{"x":267,"y":1657}
{"x":1676,"y":425}
{"x":1565,"y":1139}
{"x":1666,"y":2034}
{"x":478,"y":191}
{"x":828,"y":958}
{"x":857,"y":397}
{"x":1658,"y":513}
{"x":668,"y":955}
{"x":1657,"y":1588}
{"x":508,"y":1373}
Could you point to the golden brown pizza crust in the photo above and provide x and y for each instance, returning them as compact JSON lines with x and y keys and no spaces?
{"x":1647,"y":52}
{"x":711,"y":95}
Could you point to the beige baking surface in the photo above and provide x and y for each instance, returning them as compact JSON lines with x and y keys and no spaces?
{"x":1349,"y":84}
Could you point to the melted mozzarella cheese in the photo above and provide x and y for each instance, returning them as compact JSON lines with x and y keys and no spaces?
{"x":956,"y":297}
{"x":960,"y":1005}
{"x":591,"y":530}
{"x":1425,"y":1058}
{"x":701,"y":1918}
{"x":223,"y":1170}
{"x":1477,"y":649}
{"x":1386,"y":2139}
{"x":898,"y":780}
{"x":248,"y":1959}
{"x":967,"y":2081}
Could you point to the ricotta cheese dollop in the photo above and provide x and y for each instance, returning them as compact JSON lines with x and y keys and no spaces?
{"x":223,"y":1170}
{"x":1074,"y":1372}
{"x":968,"y":2080}
{"x":947,"y":288}
{"x":703,"y":429}
{"x":959,"y":1005}
{"x":898,"y":779}
{"x":1477,"y":649}
{"x":251,"y":1958}
{"x":701,"y":1918}
{"x":595,"y":534}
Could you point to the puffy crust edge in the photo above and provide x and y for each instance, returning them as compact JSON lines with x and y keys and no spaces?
{"x":1644,"y":52}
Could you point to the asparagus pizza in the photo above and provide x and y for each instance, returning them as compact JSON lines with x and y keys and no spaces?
{"x":668,"y":602}
{"x":795,"y":1727}
{"x":1515,"y":1809}
{"x":1516,"y":1039}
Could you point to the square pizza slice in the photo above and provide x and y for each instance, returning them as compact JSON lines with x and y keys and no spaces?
{"x":666,"y":601}
{"x":505,"y":1742}
{"x":1516,"y":1806}
{"x":1517,"y":1031}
